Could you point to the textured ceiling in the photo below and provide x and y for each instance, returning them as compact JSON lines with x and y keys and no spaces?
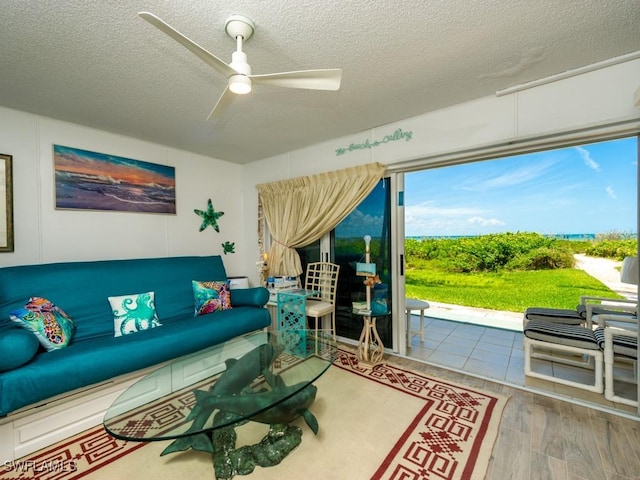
{"x":96,"y":63}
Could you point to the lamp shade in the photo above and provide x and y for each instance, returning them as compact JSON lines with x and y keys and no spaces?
{"x":629,"y":272}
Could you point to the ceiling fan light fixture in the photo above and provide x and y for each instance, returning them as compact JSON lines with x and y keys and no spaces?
{"x":238,"y":73}
{"x":240,"y":84}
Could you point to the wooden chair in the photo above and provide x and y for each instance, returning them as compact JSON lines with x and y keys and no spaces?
{"x":323,"y":278}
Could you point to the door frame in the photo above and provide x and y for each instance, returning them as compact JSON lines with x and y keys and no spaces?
{"x":398,"y":263}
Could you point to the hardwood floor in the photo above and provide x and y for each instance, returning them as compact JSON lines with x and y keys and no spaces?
{"x":544,"y":438}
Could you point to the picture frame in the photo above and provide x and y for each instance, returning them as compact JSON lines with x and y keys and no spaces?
{"x":6,"y":203}
{"x":86,"y":180}
{"x":365,"y":269}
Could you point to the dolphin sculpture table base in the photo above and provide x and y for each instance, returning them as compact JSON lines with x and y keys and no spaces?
{"x":281,"y":439}
{"x":230,"y":400}
{"x":229,"y":461}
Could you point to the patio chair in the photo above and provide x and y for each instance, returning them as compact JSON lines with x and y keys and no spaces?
{"x":566,"y":344}
{"x":584,"y":312}
{"x":617,"y":336}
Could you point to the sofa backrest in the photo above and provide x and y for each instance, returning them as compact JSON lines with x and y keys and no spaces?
{"x":82,"y":289}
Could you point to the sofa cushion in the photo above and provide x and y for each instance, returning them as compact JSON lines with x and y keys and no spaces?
{"x":559,"y":315}
{"x":17,"y":347}
{"x":210,"y":296}
{"x":134,"y":313}
{"x":87,"y":363}
{"x":50,"y":324}
{"x":622,"y":344}
{"x":250,"y":297}
{"x":560,"y":333}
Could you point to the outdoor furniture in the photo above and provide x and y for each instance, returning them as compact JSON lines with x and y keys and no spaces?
{"x":558,"y":315}
{"x":573,"y":345}
{"x":584,"y":312}
{"x":617,"y":336}
{"x":411,"y":304}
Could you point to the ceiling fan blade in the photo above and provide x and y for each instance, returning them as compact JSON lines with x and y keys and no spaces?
{"x":223,"y":102}
{"x":202,"y":53}
{"x":324,"y":79}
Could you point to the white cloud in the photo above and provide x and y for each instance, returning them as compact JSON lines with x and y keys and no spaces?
{"x":358,"y":224}
{"x":518,"y":176}
{"x":429,"y":209}
{"x":586,"y":158}
{"x":429,"y":219}
{"x":611,"y":192}
{"x":485,"y":222}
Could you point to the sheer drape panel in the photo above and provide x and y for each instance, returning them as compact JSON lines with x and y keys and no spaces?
{"x":300,"y":210}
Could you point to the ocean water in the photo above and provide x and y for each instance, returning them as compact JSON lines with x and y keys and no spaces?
{"x":562,"y":236}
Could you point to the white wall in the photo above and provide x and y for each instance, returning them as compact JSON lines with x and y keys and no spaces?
{"x":43,"y":234}
{"x":602,"y":96}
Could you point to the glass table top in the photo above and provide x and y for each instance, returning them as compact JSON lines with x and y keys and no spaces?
{"x":241,"y":379}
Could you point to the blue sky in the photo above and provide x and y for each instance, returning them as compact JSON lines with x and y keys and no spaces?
{"x":585,"y":189}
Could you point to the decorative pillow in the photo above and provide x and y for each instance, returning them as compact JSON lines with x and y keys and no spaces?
{"x":48,"y":322}
{"x":134,"y":313}
{"x":17,"y":347}
{"x":211,"y":296}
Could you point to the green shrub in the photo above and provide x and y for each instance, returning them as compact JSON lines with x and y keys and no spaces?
{"x":543,"y":258}
{"x":509,"y":251}
{"x":615,"y":249}
{"x":485,"y":253}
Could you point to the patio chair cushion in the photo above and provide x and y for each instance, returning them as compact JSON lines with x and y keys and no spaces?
{"x":558,"y":315}
{"x":560,"y":333}
{"x":622,"y":345}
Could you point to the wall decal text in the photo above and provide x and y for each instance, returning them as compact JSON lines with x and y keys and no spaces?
{"x":399,"y":134}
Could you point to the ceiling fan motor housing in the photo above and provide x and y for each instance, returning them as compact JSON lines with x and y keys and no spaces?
{"x":239,"y":25}
{"x":239,"y":63}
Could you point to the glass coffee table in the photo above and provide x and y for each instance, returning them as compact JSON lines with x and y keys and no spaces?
{"x":198,"y":400}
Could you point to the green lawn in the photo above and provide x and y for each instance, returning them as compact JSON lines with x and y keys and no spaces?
{"x":510,"y":291}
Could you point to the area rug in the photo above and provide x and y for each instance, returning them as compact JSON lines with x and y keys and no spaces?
{"x":376,"y":422}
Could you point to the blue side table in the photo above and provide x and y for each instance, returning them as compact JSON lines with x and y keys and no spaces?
{"x":292,"y":319}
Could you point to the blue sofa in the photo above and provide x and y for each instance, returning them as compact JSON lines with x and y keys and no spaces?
{"x":94,"y":354}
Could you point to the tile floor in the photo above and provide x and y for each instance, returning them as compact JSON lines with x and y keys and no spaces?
{"x":497,"y":354}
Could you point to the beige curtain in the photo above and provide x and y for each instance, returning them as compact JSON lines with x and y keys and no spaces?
{"x":300,"y":210}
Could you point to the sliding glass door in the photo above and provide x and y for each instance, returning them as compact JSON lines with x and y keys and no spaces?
{"x":371,"y":217}
{"x":345,"y":246}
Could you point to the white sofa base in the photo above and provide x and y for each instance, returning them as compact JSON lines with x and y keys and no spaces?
{"x":38,"y":426}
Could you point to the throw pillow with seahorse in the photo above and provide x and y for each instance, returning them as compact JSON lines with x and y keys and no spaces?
{"x":134,"y":313}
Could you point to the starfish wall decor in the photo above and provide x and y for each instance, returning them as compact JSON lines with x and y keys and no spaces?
{"x":209,"y":217}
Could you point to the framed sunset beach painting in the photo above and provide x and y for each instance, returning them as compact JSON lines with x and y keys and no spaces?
{"x":97,"y":181}
{"x":6,"y":204}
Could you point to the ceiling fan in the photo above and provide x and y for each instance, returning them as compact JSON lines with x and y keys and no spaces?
{"x":240,"y":80}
